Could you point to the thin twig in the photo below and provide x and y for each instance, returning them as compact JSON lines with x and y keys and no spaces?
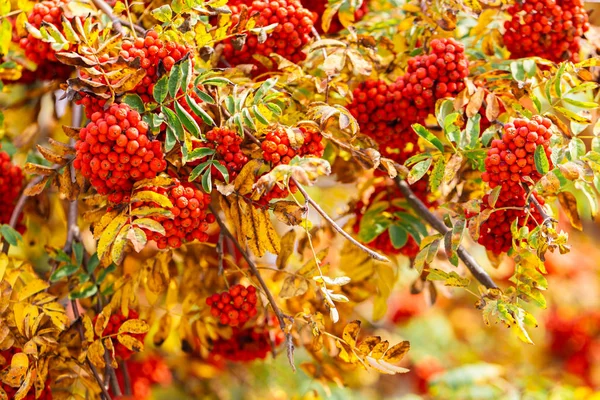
{"x":14,"y":217}
{"x":77,"y":316}
{"x":338,"y":228}
{"x":533,"y":200}
{"x":221,"y":253}
{"x":476,"y":270}
{"x":106,"y":9}
{"x":278,"y":313}
{"x":126,"y":378}
{"x":110,"y":371}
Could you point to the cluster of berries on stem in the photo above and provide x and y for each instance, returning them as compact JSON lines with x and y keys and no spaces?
{"x":11,"y":183}
{"x":550,"y":29}
{"x":234,"y":307}
{"x":191,"y":217}
{"x":277,"y":148}
{"x":294,"y":25}
{"x":114,"y":152}
{"x":227,"y":145}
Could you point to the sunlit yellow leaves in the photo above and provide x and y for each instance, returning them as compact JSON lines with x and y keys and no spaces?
{"x":164,"y":329}
{"x":18,"y":368}
{"x":351,"y":331}
{"x":130,"y":342}
{"x":252,"y":225}
{"x":32,"y":288}
{"x":110,"y":233}
{"x":568,"y":203}
{"x":293,"y":285}
{"x":134,"y":326}
{"x":95,"y":354}
{"x":288,"y":242}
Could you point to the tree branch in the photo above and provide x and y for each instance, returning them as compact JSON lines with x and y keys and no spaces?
{"x":280,"y":316}
{"x":77,"y":316}
{"x":532,"y":200}
{"x":338,"y":228}
{"x":126,"y":378}
{"x":476,"y":270}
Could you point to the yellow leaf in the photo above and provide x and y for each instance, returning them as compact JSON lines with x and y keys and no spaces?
{"x":3,"y":265}
{"x":293,"y":285}
{"x":110,"y":233}
{"x":350,"y":333}
{"x":164,"y":329}
{"x":287,"y":248}
{"x":368,"y":344}
{"x":88,"y":329}
{"x":95,"y":354}
{"x":130,"y":342}
{"x":134,"y":326}
{"x":385,"y":367}
{"x":26,"y":385}
{"x":37,"y":285}
{"x":152,"y":197}
{"x":18,"y":368}
{"x":102,"y":320}
{"x":110,"y":348}
{"x":397,"y":352}
{"x":568,"y":202}
{"x":245,"y":180}
{"x":289,"y":212}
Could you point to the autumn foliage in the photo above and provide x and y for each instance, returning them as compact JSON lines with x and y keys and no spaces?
{"x":203,"y":193}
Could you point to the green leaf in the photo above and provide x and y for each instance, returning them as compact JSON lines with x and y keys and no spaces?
{"x":261,"y":118}
{"x":199,"y":111}
{"x":198,"y":170}
{"x":175,"y":78}
{"x":63,"y":272}
{"x":163,"y":13}
{"x":170,"y":139}
{"x":78,"y":251}
{"x":264,"y":89}
{"x":572,"y":116}
{"x":437,"y":174}
{"x":190,"y":124}
{"x":419,"y":170}
{"x":398,"y":236}
{"x":428,"y":136}
{"x":92,"y":263}
{"x":88,"y":289}
{"x":517,"y":70}
{"x":576,"y":148}
{"x":104,"y":273}
{"x":135,"y":102}
{"x":160,"y":90}
{"x":230,"y":104}
{"x":530,"y":67}
{"x":200,"y":153}
{"x":207,"y":181}
{"x":10,"y":235}
{"x":216,"y":81}
{"x":541,"y":161}
{"x":580,"y":104}
{"x":186,"y":73}
{"x":174,"y":123}
{"x":205,"y":97}
{"x":248,"y":119}
{"x":222,"y":169}
{"x":558,"y":80}
{"x":472,"y":131}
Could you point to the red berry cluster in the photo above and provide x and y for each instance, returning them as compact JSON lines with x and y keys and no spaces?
{"x":247,"y":344}
{"x":235,"y":306}
{"x":41,"y":53}
{"x":294,"y":24}
{"x":46,"y":393}
{"x":11,"y":183}
{"x":227,"y":144}
{"x":550,"y":29}
{"x":112,"y":328}
{"x":407,"y":305}
{"x":511,"y":159}
{"x":154,"y":53}
{"x":277,"y":148}
{"x":191,"y":216}
{"x":317,"y":7}
{"x":575,"y":340}
{"x":144,"y":374}
{"x":389,"y":193}
{"x":494,"y":233}
{"x":91,"y":105}
{"x":385,"y":112}
{"x":433,"y":76}
{"x":114,"y":151}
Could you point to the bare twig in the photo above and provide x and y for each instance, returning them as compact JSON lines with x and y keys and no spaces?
{"x":533,"y":200}
{"x":14,"y":217}
{"x":278,"y":313}
{"x":112,"y":375}
{"x":221,"y":252}
{"x":476,"y":270}
{"x":338,"y":228}
{"x":77,"y":316}
{"x":126,"y":378}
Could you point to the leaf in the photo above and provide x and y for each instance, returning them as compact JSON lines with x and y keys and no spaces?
{"x":110,"y":233}
{"x":150,"y":224}
{"x":174,"y":123}
{"x":288,"y":242}
{"x":190,"y":124}
{"x":152,"y":197}
{"x":164,"y":329}
{"x":351,"y":331}
{"x":419,"y":170}
{"x":63,"y":272}
{"x":135,"y":102}
{"x":397,"y":352}
{"x":131,"y":343}
{"x":33,"y":287}
{"x":175,"y":80}
{"x":568,"y":202}
{"x":163,"y":13}
{"x":398,"y":236}
{"x":288,"y":212}
{"x":573,"y":116}
{"x":95,"y":354}
{"x":437,"y":174}
{"x":541,"y":161}
{"x":10,"y":235}
{"x":576,"y":148}
{"x":135,"y":326}
{"x":293,"y":285}
{"x":428,"y":136}
{"x":160,"y":90}
{"x":199,"y":111}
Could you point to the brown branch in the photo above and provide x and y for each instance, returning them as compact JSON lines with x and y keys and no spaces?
{"x":77,"y":316}
{"x":112,"y":375}
{"x":278,"y":313}
{"x":126,"y":378}
{"x":338,"y":228}
{"x":546,"y":219}
{"x":476,"y":270}
{"x":14,"y":217}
